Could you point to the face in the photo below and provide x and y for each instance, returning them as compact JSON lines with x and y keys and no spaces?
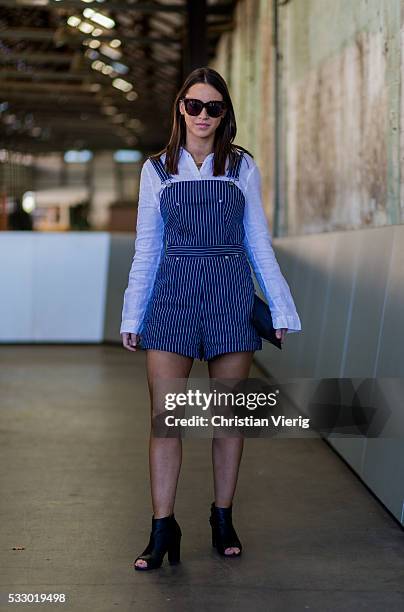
{"x":203,"y":125}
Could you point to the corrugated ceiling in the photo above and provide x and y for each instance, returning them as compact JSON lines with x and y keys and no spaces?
{"x":97,"y":75}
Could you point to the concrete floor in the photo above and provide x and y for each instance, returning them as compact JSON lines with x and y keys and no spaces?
{"x":74,"y":476}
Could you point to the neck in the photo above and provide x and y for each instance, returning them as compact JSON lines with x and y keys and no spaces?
{"x":199,"y":147}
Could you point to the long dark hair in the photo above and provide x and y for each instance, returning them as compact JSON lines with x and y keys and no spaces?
{"x":224,"y":135}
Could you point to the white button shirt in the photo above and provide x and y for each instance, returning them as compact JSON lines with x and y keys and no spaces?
{"x":149,"y":245}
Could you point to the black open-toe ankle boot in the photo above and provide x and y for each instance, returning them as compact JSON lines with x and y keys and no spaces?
{"x":223,"y":533}
{"x":165,"y":537}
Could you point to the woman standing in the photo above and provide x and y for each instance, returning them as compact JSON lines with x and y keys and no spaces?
{"x":190,"y":291}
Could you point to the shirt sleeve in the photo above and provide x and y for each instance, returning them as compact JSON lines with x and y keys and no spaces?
{"x":258,"y":245}
{"x":148,"y":250}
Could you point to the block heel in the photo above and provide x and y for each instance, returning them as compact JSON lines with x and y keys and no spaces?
{"x":174,"y":551}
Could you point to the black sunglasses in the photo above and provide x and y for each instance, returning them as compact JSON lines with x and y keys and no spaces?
{"x":214,"y":108}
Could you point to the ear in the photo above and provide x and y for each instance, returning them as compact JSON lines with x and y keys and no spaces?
{"x":181,"y":107}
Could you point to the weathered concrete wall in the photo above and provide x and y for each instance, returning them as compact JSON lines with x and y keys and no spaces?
{"x":245,"y":59}
{"x":340,"y":113}
{"x":341,"y":93}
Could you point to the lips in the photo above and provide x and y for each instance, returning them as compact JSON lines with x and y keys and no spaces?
{"x":202,"y":124}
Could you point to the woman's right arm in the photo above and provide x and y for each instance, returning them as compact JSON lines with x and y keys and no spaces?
{"x":148,"y":251}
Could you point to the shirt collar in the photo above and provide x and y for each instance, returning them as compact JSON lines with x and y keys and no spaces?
{"x":183,"y":149}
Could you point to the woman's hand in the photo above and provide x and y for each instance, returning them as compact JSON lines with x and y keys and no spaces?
{"x":281,"y":333}
{"x":130,"y":341}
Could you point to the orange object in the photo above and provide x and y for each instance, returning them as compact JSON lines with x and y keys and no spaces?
{"x":3,"y":212}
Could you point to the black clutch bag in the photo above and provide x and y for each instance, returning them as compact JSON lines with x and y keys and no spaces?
{"x":262,"y":321}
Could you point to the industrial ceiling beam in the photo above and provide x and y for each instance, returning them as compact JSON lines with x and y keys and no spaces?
{"x":118,"y":5}
{"x":136,"y":110}
{"x":34,"y":34}
{"x":44,"y":75}
{"x":57,"y":97}
{"x":66,"y":58}
{"x":10,"y":86}
{"x":36,"y":58}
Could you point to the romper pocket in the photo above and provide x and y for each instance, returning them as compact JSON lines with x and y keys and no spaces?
{"x":232,"y":202}
{"x":170,"y":209}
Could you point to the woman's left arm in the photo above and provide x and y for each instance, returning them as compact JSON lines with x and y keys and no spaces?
{"x":258,"y":245}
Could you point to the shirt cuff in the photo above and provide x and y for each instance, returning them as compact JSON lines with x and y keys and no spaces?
{"x":129,"y":326}
{"x":292,"y":323}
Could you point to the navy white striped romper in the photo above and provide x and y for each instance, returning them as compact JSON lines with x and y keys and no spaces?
{"x":203,"y":293}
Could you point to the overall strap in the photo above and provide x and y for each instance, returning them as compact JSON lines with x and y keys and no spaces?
{"x":234,"y":171}
{"x":161,"y":171}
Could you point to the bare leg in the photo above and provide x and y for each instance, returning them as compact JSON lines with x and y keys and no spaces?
{"x":227,"y":452}
{"x":165,"y":454}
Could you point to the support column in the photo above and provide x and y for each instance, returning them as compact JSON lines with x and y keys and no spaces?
{"x":196,"y":54}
